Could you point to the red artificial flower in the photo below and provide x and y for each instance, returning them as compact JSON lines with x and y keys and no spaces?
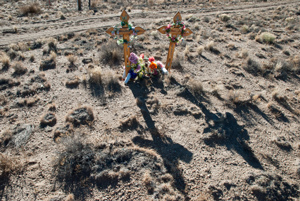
{"x":142,"y":56}
{"x":151,"y":59}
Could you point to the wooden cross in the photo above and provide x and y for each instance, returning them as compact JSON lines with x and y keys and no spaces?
{"x":174,"y":32}
{"x":125,"y":31}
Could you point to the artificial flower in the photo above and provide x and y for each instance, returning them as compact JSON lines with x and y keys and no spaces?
{"x":151,"y":59}
{"x":133,"y":58}
{"x":152,"y":65}
{"x":142,"y":56}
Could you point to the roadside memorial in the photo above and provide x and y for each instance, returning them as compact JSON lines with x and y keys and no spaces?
{"x":128,"y":32}
{"x":175,"y":33}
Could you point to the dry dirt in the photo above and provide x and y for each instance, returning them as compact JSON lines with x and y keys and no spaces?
{"x":224,"y":125}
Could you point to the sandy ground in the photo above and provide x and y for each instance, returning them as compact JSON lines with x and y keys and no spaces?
{"x":224,"y":125}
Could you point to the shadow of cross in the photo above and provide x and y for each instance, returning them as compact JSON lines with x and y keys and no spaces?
{"x":170,"y":151}
{"x":175,"y":33}
{"x":125,"y":31}
{"x":223,"y":129}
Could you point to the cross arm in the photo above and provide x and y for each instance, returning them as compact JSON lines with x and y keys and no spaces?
{"x":125,"y":31}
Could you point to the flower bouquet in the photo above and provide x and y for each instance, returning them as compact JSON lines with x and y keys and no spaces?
{"x":140,"y":69}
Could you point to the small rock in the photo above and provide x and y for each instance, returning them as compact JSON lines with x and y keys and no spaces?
{"x":81,"y":115}
{"x":48,"y":119}
{"x":87,"y":60}
{"x":22,"y":134}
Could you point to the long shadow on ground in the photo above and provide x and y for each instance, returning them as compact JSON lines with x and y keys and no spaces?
{"x":170,"y":152}
{"x":224,"y":130}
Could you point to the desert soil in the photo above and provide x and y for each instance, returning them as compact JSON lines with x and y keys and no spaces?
{"x":223,"y":125}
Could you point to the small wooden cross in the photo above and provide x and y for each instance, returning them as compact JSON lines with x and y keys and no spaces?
{"x":126,"y":31}
{"x":174,"y":32}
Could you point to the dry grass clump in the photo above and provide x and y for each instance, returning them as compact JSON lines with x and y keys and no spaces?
{"x":200,"y":50}
{"x":52,"y":56}
{"x":176,"y":63}
{"x":111,"y":53}
{"x":252,"y":67}
{"x":224,"y":17}
{"x":95,"y":76}
{"x":155,"y":34}
{"x":33,"y":8}
{"x":211,"y":47}
{"x":19,"y":68}
{"x":52,"y":45}
{"x":186,"y":51}
{"x":72,"y":59}
{"x":5,"y":60}
{"x":70,"y":197}
{"x":129,"y":123}
{"x":195,"y":86}
{"x":244,"y":29}
{"x":266,"y":37}
{"x":73,"y":164}
{"x":148,"y":182}
{"x":111,"y":81}
{"x":234,"y":97}
{"x":8,"y":165}
{"x":73,"y":83}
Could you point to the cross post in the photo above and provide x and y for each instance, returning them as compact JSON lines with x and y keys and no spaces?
{"x":174,"y":31}
{"x":125,"y":31}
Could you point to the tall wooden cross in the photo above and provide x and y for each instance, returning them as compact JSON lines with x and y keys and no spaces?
{"x":125,"y":31}
{"x":174,"y":31}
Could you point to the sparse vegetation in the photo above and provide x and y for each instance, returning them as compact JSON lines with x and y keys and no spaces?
{"x":111,"y":53}
{"x":252,"y":67}
{"x":72,"y":59}
{"x":224,"y":17}
{"x":195,"y":87}
{"x":266,"y":37}
{"x":19,"y":68}
{"x":229,"y":104}
{"x":32,"y":8}
{"x":5,"y":60}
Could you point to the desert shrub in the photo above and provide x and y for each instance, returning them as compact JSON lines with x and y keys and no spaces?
{"x":8,"y":165}
{"x":244,"y":29}
{"x":195,"y":86}
{"x":73,"y":82}
{"x":176,"y":63}
{"x":234,"y":97}
{"x":19,"y":68}
{"x":155,"y":34}
{"x":111,"y":81}
{"x":33,"y":8}
{"x":266,"y":37}
{"x":224,"y":17}
{"x":5,"y":60}
{"x":252,"y":67}
{"x":148,"y":182}
{"x":95,"y":76}
{"x":111,"y":53}
{"x":52,"y":45}
{"x":72,"y":59}
{"x":211,"y":47}
{"x":200,"y":50}
{"x":74,"y":163}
